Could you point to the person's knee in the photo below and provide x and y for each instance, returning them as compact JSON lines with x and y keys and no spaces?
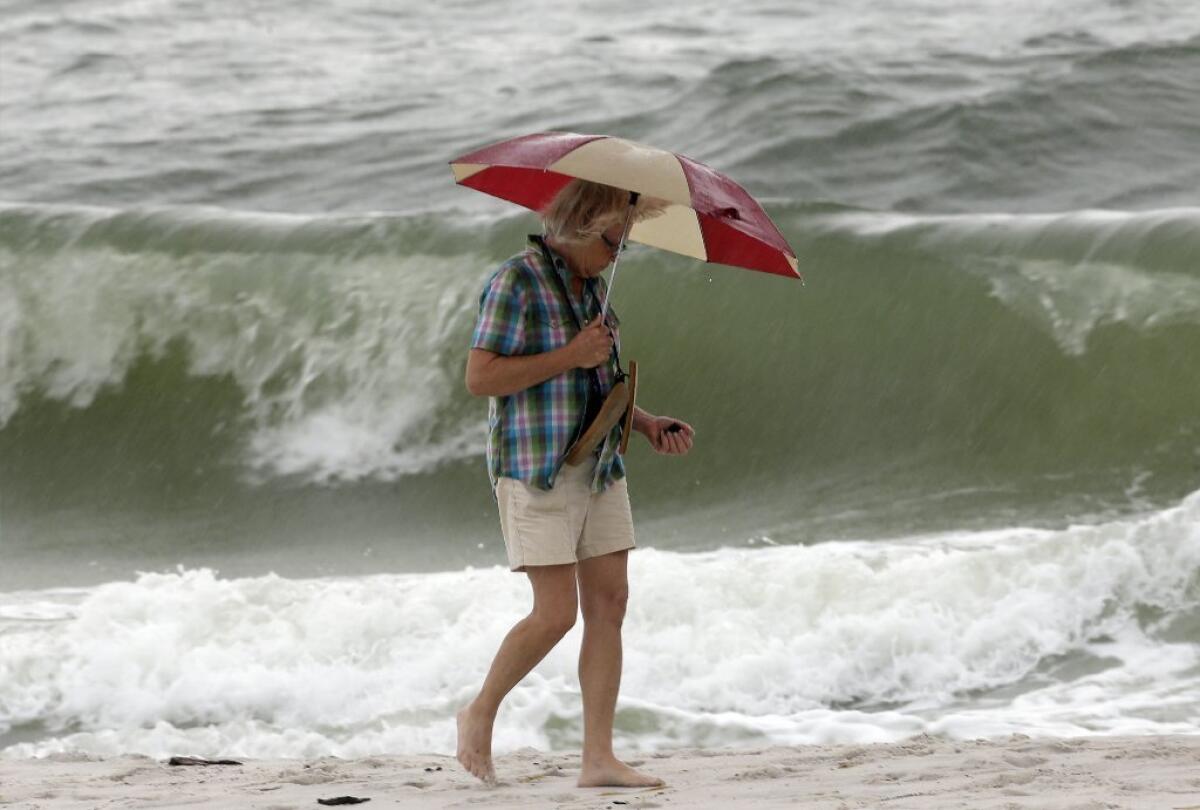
{"x":607,"y":605}
{"x":555,"y":620}
{"x":555,"y":599}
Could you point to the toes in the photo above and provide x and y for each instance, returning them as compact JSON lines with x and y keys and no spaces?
{"x":484,"y":772}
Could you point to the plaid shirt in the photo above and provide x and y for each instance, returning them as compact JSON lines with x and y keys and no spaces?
{"x":522,"y":312}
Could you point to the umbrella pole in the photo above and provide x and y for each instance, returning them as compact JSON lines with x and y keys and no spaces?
{"x":633,"y":198}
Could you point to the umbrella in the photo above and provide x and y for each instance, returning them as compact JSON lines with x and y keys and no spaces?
{"x":708,"y":216}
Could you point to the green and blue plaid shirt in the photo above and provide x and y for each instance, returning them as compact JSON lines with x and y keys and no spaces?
{"x":522,"y":312}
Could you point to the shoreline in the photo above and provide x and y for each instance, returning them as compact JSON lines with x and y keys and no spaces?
{"x":924,"y":772}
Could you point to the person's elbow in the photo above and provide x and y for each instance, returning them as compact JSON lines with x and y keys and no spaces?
{"x":476,"y":376}
{"x":476,"y":387}
{"x":474,"y":384}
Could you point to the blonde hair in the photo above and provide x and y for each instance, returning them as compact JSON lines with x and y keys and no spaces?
{"x":583,"y":210}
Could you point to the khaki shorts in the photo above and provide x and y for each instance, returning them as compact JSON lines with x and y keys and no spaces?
{"x":567,"y":524}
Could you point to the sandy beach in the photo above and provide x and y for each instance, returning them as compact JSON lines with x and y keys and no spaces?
{"x":1138,"y":773}
{"x":936,"y":543}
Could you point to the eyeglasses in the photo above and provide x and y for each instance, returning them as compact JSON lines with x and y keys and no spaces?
{"x":612,"y":246}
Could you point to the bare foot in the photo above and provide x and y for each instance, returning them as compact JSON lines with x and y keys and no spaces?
{"x":475,"y":746}
{"x":614,"y":773}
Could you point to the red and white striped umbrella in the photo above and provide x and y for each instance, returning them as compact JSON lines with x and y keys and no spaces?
{"x":708,"y":216}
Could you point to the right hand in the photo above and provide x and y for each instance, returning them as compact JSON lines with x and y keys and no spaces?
{"x":592,"y":346}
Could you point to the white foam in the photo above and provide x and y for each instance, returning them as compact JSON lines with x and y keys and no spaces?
{"x":956,"y":634}
{"x":1071,"y":299}
{"x":341,"y":360}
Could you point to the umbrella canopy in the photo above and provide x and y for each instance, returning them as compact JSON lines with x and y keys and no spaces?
{"x":708,"y":216}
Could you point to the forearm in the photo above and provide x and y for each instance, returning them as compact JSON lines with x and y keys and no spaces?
{"x":498,"y":375}
{"x":642,"y":419}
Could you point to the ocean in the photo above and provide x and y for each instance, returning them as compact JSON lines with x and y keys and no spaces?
{"x":949,"y":485}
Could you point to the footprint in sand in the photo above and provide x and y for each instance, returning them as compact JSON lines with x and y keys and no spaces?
{"x":1014,"y":779}
{"x":1024,"y":760}
{"x":765,"y":772}
{"x":309,"y":776}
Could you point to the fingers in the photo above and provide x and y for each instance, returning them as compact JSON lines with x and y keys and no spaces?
{"x":599,"y":326}
{"x":674,"y":442}
{"x":595,"y":342}
{"x":599,"y":350}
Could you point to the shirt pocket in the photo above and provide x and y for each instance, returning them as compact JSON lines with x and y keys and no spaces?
{"x":548,"y":331}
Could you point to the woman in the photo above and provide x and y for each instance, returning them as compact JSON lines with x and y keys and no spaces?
{"x":545,"y":359}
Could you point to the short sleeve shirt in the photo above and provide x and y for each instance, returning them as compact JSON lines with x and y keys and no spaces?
{"x":522,"y":311}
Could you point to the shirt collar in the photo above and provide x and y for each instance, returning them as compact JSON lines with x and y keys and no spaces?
{"x":560,"y":264}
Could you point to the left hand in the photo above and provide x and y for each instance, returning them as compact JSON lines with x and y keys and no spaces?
{"x":669,"y":436}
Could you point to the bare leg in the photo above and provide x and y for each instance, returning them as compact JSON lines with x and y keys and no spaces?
{"x":554,"y":608}
{"x":603,"y":592}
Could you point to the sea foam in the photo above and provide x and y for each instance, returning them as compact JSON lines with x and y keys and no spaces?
{"x":1077,"y":631}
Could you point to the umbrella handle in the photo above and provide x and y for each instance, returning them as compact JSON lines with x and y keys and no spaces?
{"x":633,"y":198}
